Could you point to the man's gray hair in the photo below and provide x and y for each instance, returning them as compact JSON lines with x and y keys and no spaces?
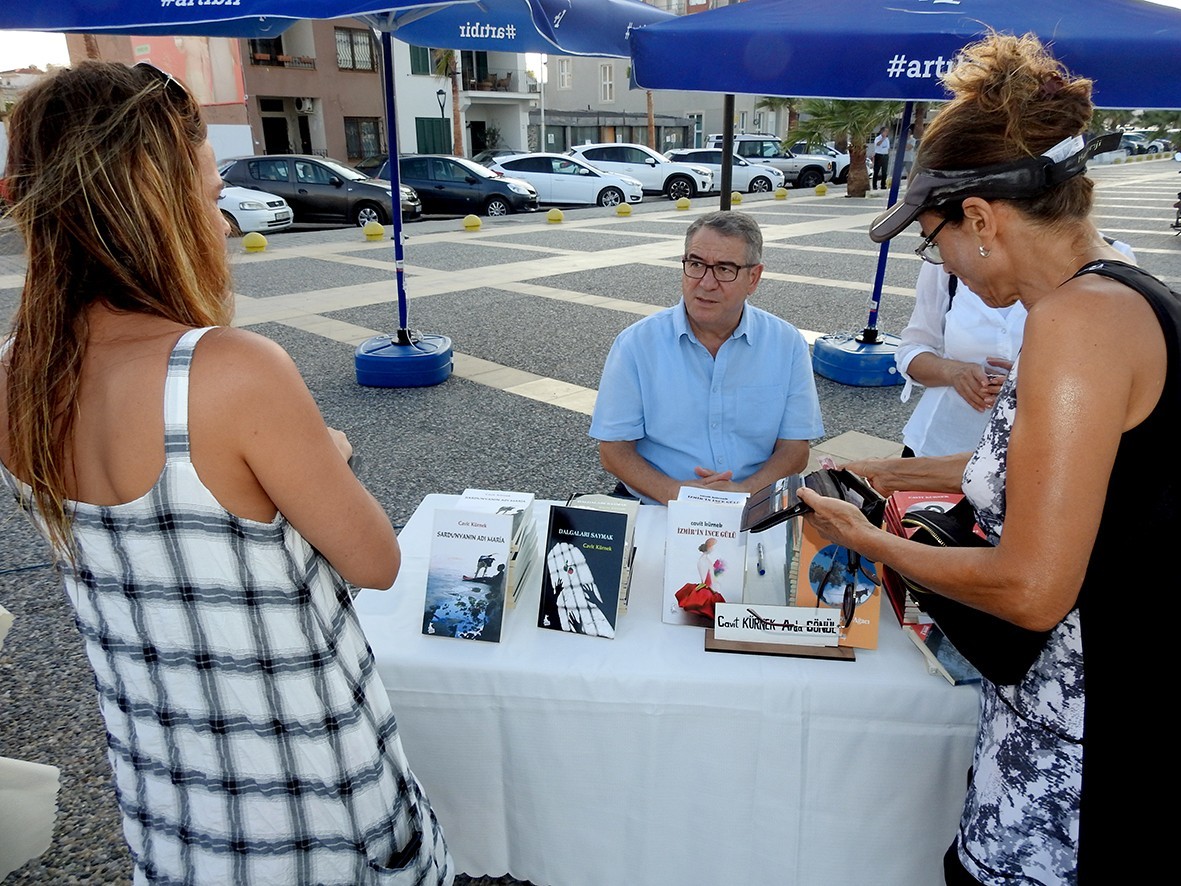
{"x":731,"y":224}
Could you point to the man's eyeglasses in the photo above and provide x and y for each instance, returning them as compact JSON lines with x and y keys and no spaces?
{"x":929,"y":250}
{"x":724,"y":272}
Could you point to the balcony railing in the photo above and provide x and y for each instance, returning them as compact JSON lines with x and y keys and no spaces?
{"x":502,"y":80}
{"x":303,"y":62}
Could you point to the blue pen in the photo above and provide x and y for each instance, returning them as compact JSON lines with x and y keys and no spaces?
{"x":759,"y":560}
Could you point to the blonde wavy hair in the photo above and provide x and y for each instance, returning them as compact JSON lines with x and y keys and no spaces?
{"x":104,"y":175}
{"x":1011,"y":100}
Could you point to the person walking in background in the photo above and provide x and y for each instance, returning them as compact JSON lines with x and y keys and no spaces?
{"x":908,"y":155}
{"x":1057,"y":479}
{"x":881,"y":158}
{"x":203,"y":516}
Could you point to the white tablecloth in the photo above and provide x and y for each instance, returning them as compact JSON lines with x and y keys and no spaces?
{"x":579,"y":761}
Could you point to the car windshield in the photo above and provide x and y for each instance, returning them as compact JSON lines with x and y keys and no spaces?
{"x":345,"y":172}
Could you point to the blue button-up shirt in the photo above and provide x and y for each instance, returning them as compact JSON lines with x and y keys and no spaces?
{"x":663,"y":389}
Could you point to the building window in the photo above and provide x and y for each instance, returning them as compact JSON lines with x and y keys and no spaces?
{"x":362,"y":136}
{"x":355,"y":50}
{"x":607,"y":82}
{"x":266,"y":51}
{"x":697,"y":128}
{"x":565,"y":74}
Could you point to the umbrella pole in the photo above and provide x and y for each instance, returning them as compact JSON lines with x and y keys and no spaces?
{"x":407,"y":358}
{"x":870,"y":333}
{"x":867,"y":358}
{"x":725,"y":185}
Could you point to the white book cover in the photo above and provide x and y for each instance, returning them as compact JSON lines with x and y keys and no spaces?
{"x":704,"y":559}
{"x":719,"y":496}
{"x":468,"y":574}
{"x":500,"y":501}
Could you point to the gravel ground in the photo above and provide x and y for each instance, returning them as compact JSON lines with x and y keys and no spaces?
{"x":415,"y":441}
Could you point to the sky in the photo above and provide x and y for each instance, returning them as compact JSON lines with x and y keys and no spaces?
{"x":21,"y":48}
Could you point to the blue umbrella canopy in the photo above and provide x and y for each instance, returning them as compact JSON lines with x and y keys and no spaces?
{"x":564,"y":27}
{"x":230,"y":18}
{"x":897,"y":49}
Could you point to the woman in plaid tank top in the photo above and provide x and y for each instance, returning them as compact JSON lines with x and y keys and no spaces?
{"x":204,"y":518}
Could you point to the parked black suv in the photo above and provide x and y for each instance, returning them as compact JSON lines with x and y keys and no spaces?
{"x":458,"y":186}
{"x":319,"y":189}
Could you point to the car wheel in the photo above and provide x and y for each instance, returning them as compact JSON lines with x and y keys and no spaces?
{"x":496,"y":207}
{"x":843,"y":177}
{"x":235,"y":231}
{"x":610,"y":197}
{"x":760,"y":185}
{"x":809,"y":178}
{"x":367,"y":212}
{"x":679,"y":186}
{"x":1154,"y":149}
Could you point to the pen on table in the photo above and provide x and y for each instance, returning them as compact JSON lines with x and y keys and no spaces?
{"x":759,"y":560}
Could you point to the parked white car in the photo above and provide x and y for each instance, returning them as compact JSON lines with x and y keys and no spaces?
{"x":753,"y":177}
{"x":802,"y":170}
{"x":562,"y":179}
{"x":656,"y":173}
{"x":840,"y":161}
{"x":249,"y":210}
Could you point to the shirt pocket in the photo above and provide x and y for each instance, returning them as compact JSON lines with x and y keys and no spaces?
{"x":757,"y":413}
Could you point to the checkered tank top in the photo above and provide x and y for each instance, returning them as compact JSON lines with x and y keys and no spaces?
{"x":250,"y":736}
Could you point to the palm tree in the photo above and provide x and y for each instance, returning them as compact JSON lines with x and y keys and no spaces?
{"x":855,"y":120}
{"x":447,"y":65}
{"x":777,"y":104}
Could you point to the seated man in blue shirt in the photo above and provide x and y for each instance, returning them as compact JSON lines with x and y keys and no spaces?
{"x":712,"y":392}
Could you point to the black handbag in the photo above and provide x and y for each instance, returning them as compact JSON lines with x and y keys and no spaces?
{"x":1002,"y":651}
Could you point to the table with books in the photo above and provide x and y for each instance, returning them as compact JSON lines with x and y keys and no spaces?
{"x":644,"y":759}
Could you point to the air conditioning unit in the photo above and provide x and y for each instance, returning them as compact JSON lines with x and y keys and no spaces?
{"x":305,"y":105}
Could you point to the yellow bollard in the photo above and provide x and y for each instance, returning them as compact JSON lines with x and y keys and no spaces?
{"x":554,"y":216}
{"x":374,"y":230}
{"x":781,"y":193}
{"x":735,"y":197}
{"x":683,"y":203}
{"x":821,"y":189}
{"x":254,"y":242}
{"x":623,"y":209}
{"x":471,"y":223}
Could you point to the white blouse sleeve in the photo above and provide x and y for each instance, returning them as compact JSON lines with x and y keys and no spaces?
{"x":924,"y":332}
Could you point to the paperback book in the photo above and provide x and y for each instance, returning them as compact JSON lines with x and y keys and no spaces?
{"x":467,"y":575}
{"x":519,"y":506}
{"x":618,"y":505}
{"x":704,"y":560}
{"x":941,"y":656}
{"x":585,"y":562}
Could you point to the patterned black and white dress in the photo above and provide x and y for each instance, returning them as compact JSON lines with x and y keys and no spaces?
{"x":1021,"y":814}
{"x":251,"y":738}
{"x":1055,"y":781}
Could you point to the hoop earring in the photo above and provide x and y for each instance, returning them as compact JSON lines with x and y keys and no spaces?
{"x":984,"y":253}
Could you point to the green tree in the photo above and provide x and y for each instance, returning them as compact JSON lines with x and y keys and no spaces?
{"x":855,"y":121}
{"x":447,"y":65}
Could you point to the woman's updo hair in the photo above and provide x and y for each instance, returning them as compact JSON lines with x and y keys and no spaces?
{"x":1011,"y":100}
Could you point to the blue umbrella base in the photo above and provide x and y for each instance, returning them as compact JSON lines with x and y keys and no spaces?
{"x":841,"y":357}
{"x":403,"y":361}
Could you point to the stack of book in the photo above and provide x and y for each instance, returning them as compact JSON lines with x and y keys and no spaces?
{"x":481,"y":553}
{"x":941,"y":656}
{"x":704,"y":555}
{"x":588,"y":557}
{"x":523,"y":556}
{"x":898,"y":506}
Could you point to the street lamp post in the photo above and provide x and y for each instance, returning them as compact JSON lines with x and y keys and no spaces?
{"x":441,"y":95}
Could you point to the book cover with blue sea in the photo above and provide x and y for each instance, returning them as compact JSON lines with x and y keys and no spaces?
{"x":466,"y":578}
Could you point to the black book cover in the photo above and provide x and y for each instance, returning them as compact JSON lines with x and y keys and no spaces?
{"x":584,"y":559}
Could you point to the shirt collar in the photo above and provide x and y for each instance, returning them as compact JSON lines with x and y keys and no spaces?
{"x":681,"y":323}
